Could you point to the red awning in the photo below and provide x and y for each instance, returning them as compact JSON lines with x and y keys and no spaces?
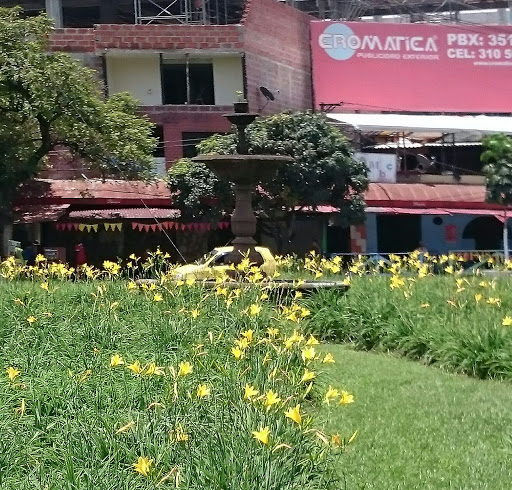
{"x":497,"y":213}
{"x":39,"y":213}
{"x":125,"y":213}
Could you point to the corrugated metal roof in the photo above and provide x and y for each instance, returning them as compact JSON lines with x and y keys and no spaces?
{"x":39,"y":213}
{"x":125,"y":213}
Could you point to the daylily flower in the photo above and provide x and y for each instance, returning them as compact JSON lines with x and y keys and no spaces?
{"x":307,"y":376}
{"x":312,"y":341}
{"x":308,"y":354}
{"x":294,"y":414}
{"x":116,"y":360}
{"x":135,"y":367}
{"x":237,"y":352}
{"x":158,"y":297}
{"x":507,"y":321}
{"x":31,"y":319}
{"x":12,"y":373}
{"x":346,"y":398}
{"x":262,"y":434}
{"x":143,"y":465}
{"x":203,"y":391}
{"x":248,"y":335}
{"x":185,"y":368}
{"x":254,"y":309}
{"x":331,"y":394}
{"x":328,"y":359}
{"x":153,"y":369}
{"x":249,"y":391}
{"x":271,"y":398}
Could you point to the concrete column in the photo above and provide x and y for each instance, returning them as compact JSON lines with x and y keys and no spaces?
{"x":54,"y":11}
{"x":6,"y":234}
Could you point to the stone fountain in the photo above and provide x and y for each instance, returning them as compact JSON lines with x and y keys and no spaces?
{"x":245,"y":172}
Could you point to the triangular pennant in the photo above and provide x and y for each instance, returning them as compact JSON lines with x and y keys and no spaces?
{"x":57,"y":226}
{"x":140,"y":226}
{"x":172,"y":225}
{"x":134,"y":225}
{"x":107,"y":226}
{"x":81,"y":227}
{"x":89,"y":228}
{"x":195,"y":226}
{"x":119,"y":226}
{"x":164,"y":225}
{"x":159,"y":226}
{"x":146,"y":227}
{"x":153,"y":227}
{"x":95,"y":227}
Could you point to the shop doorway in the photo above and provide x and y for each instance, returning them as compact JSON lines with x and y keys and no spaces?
{"x":398,"y":233}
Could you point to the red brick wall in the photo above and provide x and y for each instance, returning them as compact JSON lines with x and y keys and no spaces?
{"x":277,"y":53}
{"x":73,"y":40}
{"x":168,"y":37}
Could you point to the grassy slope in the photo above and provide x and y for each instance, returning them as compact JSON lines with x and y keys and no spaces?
{"x":420,"y":427}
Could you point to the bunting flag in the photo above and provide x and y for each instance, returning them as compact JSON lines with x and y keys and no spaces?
{"x":140,"y":226}
{"x":134,"y":225}
{"x":75,"y":226}
{"x":95,"y":228}
{"x":107,"y":226}
{"x":81,"y":227}
{"x":119,"y":226}
{"x":89,"y":228}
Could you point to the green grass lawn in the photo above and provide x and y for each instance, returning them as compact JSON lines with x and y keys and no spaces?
{"x":420,"y":427}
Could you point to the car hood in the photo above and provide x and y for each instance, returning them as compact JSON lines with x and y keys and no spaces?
{"x":185,"y":269}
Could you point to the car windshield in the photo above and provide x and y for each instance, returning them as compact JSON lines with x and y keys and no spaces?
{"x":207,"y":257}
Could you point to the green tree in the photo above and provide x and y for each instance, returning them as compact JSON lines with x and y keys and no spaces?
{"x":323,"y":172}
{"x":497,"y":156}
{"x":49,"y":100}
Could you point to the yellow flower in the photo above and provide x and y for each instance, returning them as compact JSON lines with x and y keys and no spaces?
{"x":194,"y":313}
{"x":203,"y":391}
{"x":125,"y":428}
{"x":12,"y":373}
{"x":304,"y":312}
{"x":190,"y":282}
{"x":292,"y":317}
{"x":312,"y":341}
{"x":143,"y":465}
{"x":266,"y":359}
{"x":298,"y":294}
{"x":271,"y":398}
{"x":19,"y":302}
{"x":135,"y":367}
{"x":308,"y":354}
{"x":294,"y":414}
{"x":185,"y":368}
{"x":507,"y":321}
{"x":346,"y":398}
{"x":249,"y":392}
{"x":243,"y":343}
{"x":425,"y":305}
{"x":272,"y":332}
{"x":158,"y":297}
{"x":254,"y":309}
{"x":116,"y":360}
{"x":237,"y":352}
{"x":153,"y":369}
{"x":262,"y":434}
{"x":31,"y":319}
{"x":263,"y":296}
{"x":307,"y":376}
{"x":221,"y":291}
{"x":44,"y":285}
{"x":331,"y":394}
{"x":449,"y":269}
{"x":328,"y":359}
{"x":478,"y":297}
{"x":248,"y":335}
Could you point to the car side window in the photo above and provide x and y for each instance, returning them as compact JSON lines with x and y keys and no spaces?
{"x":220,"y":259}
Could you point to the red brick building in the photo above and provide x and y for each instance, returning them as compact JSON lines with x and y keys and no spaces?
{"x":186,"y":67}
{"x":187,"y":75}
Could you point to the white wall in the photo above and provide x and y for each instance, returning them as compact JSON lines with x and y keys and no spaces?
{"x":139,"y":75}
{"x":227,"y":79}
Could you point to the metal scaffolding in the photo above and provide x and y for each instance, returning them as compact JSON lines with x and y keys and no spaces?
{"x":187,"y":11}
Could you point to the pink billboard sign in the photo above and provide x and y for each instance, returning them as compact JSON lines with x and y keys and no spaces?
{"x":412,"y":67}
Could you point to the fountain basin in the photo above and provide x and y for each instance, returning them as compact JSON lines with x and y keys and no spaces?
{"x":244,"y":169}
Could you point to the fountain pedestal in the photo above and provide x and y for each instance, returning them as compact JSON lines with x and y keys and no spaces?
{"x":245,"y":172}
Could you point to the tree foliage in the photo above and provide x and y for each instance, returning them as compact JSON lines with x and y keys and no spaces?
{"x":49,"y":100}
{"x":497,"y":156}
{"x":323,"y":171}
